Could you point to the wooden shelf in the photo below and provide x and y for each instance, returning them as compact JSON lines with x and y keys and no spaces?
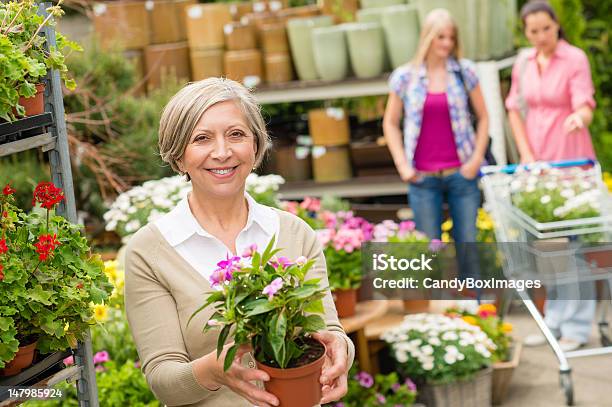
{"x":383,"y":185}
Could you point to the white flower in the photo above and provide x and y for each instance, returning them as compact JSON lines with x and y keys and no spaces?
{"x":435,"y":341}
{"x":450,"y":336}
{"x":450,"y":358}
{"x":401,"y":356}
{"x":132,"y":226}
{"x":530,"y":188}
{"x":567,"y":193}
{"x":545,"y":199}
{"x":550,"y":185}
{"x":427,"y":350}
{"x":428,"y":365}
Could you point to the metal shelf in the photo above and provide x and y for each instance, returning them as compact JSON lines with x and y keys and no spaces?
{"x":383,"y":185}
{"x":303,"y":91}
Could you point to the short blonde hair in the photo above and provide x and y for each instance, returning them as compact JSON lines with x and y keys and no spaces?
{"x":182,"y":113}
{"x":435,"y":21}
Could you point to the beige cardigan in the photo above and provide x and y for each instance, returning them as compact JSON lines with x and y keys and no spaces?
{"x":162,"y":291}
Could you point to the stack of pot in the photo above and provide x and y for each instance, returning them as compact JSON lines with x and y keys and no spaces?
{"x":330,"y":132}
{"x":151,"y":34}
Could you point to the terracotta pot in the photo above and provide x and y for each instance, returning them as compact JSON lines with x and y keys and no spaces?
{"x":330,"y":53}
{"x":164,"y":60}
{"x":599,"y":258}
{"x":346,"y":302}
{"x":244,"y":66}
{"x":205,"y":23}
{"x":415,"y":306}
{"x":36,"y":104}
{"x":278,"y":68}
{"x":206,"y":63}
{"x":295,"y":387}
{"x":329,"y":127}
{"x":22,"y":360}
{"x":331,"y":164}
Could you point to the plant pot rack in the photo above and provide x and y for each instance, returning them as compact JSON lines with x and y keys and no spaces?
{"x":47,"y":131}
{"x":380,"y":185}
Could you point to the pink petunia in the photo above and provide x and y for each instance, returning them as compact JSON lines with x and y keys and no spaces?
{"x":330,"y":219}
{"x":273,"y":287}
{"x":69,"y":361}
{"x":101,"y":357}
{"x":311,"y":204}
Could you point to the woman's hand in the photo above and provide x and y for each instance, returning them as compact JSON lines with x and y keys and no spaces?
{"x":335,"y":369}
{"x":573,"y":122}
{"x":237,"y":378}
{"x":470,"y":169}
{"x":408,"y":174}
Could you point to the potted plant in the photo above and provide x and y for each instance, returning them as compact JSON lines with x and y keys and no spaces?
{"x":49,"y":280}
{"x":365,"y":390}
{"x":342,"y":240}
{"x":268,"y":303}
{"x":448,"y":358}
{"x":507,"y":353}
{"x":26,"y":61}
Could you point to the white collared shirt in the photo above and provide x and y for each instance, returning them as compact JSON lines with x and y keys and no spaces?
{"x":201,"y":249}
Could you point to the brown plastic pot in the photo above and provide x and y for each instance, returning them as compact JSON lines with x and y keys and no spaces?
{"x":23,"y":358}
{"x":416,"y":306}
{"x":346,"y":302}
{"x":295,"y":387}
{"x":36,"y":104}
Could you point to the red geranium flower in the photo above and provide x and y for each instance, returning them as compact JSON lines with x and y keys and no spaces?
{"x":8,"y":190}
{"x":3,"y":247}
{"x":45,"y":246}
{"x":47,"y":194}
{"x":1,"y":273}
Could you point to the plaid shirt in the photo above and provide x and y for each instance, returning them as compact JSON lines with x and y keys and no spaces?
{"x":410,"y":84}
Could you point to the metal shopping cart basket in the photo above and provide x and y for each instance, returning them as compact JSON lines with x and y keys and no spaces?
{"x":569,"y":260}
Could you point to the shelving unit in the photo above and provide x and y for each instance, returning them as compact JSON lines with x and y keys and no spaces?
{"x":302,"y":91}
{"x":47,"y":131}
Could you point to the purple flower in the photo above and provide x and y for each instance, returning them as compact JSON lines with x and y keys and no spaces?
{"x":137,"y":364}
{"x":101,"y":357}
{"x":436,"y":245}
{"x":395,"y":387}
{"x":365,"y":379}
{"x":249,"y":251}
{"x":273,"y":287}
{"x":281,"y":261}
{"x":225,"y":271}
{"x":381,"y":399}
{"x":410,"y":384}
{"x":339,"y":404}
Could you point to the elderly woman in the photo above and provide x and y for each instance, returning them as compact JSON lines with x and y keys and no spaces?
{"x":212,"y":132}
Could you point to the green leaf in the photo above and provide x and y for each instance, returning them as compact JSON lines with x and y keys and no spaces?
{"x":278,"y":329}
{"x":229,"y":356}
{"x":222,"y":338}
{"x":260,"y":306}
{"x":38,"y":294}
{"x":304,"y":292}
{"x":315,"y":307}
{"x":314,"y":323}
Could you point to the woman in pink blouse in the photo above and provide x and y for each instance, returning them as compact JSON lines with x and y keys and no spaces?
{"x":550,"y":107}
{"x":552,"y":86}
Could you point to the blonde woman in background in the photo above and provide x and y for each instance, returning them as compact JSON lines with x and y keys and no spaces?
{"x":437,"y":150}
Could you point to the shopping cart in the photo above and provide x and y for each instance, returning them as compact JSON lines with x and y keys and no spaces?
{"x":521,"y":232}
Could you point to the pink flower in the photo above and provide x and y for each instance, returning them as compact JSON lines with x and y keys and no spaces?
{"x":381,"y":399}
{"x":137,"y":364}
{"x":365,"y":379}
{"x":213,"y":322}
{"x":69,"y":361}
{"x":410,"y":384}
{"x":101,"y":357}
{"x":273,"y":287}
{"x":300,"y":261}
{"x":249,"y":251}
{"x":348,"y":240}
{"x":329,"y":218}
{"x":407,"y":226}
{"x":311,"y":204}
{"x":282,"y":261}
{"x":225,"y":270}
{"x":291,"y":207}
{"x":436,"y":245}
{"x":325,"y":236}
{"x":100,"y":368}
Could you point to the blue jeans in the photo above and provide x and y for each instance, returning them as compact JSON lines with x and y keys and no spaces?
{"x":426,"y":197}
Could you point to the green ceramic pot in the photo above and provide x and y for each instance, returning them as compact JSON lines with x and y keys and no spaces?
{"x":374,"y":15}
{"x":401,"y":28}
{"x":330,"y":53}
{"x":365,"y":4}
{"x":299,"y":31}
{"x":366,"y":48}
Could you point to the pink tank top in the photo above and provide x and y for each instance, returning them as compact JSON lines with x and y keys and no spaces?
{"x":436,"y":149}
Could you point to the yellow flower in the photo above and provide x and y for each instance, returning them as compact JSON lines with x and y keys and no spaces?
{"x":100,"y":312}
{"x":447,"y":225}
{"x":487,"y":308}
{"x":110,"y":269}
{"x":506,"y":327}
{"x":470,"y":320}
{"x":446,"y":237}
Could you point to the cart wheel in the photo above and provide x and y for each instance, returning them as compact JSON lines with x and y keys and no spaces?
{"x":566,"y":382}
{"x":603,"y":334}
